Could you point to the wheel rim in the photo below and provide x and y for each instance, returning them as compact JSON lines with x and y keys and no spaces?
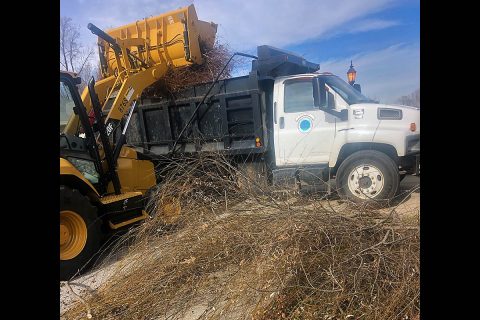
{"x":73,"y":234}
{"x":366,"y":181}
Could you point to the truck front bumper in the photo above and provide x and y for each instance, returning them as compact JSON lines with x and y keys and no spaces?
{"x":410,"y":164}
{"x":412,"y":144}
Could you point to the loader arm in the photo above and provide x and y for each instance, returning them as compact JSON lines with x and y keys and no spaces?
{"x":135,"y":56}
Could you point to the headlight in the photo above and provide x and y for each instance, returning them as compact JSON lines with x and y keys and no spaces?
{"x":86,"y":167}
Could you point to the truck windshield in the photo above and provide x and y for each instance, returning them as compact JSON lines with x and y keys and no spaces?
{"x":346,"y":91}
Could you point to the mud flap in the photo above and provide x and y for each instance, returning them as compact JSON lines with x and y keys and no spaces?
{"x":417,"y":165}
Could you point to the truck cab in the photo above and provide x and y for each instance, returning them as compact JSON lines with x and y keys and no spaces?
{"x":320,"y":121}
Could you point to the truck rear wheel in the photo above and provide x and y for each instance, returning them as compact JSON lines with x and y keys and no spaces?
{"x":367,"y":175}
{"x":79,"y":231}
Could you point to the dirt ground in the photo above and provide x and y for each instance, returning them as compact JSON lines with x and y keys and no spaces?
{"x":407,"y":208}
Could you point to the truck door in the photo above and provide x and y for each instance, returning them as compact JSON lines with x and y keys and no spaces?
{"x":303,"y":133}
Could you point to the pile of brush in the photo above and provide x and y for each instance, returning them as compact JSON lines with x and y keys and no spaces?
{"x":251,"y":253}
{"x":178,"y":79}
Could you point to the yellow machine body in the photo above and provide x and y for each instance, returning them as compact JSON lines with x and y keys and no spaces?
{"x":134,"y":174}
{"x":171,"y":40}
{"x":146,"y":49}
{"x":132,"y":58}
{"x":68,"y":171}
{"x":143,"y":53}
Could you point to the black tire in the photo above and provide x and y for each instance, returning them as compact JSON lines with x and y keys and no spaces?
{"x":368,"y":158}
{"x":73,"y":200}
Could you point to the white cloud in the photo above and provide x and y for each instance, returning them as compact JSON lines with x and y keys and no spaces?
{"x":384,"y":74}
{"x":248,"y":23}
{"x":360,"y":25}
{"x":373,"y":24}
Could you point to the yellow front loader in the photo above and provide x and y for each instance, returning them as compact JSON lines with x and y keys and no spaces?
{"x":103,"y":182}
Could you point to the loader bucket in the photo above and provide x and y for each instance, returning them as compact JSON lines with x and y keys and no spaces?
{"x":176,"y":38}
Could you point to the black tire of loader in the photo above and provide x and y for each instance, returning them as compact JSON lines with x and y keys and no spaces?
{"x":72,"y":199}
{"x":369,"y":157}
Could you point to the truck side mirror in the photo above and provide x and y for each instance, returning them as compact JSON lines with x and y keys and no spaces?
{"x":322,"y":97}
{"x":319,"y":93}
{"x":330,"y":101}
{"x":343,"y":115}
{"x":357,"y":87}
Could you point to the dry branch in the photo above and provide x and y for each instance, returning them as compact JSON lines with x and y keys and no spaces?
{"x":178,"y":79}
{"x":267,"y":257}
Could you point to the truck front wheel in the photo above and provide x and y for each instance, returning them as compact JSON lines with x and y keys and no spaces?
{"x":367,"y":175}
{"x":79,"y":231}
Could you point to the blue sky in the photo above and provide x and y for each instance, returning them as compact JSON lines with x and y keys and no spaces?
{"x":382,"y":37}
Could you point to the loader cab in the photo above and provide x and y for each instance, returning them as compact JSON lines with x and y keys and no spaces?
{"x":70,"y":103}
{"x":68,"y":96}
{"x":66,"y":105}
{"x":75,"y":148}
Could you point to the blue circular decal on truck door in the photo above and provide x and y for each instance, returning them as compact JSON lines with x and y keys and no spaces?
{"x":305,"y":125}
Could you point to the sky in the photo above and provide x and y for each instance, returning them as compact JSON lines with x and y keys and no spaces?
{"x":381,"y":37}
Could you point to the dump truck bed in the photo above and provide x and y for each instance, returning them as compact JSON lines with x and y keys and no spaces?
{"x":230,"y":121}
{"x":235,"y":119}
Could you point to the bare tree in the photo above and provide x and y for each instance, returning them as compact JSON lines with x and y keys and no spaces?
{"x":74,"y":56}
{"x":413,"y":99}
{"x":69,"y":43}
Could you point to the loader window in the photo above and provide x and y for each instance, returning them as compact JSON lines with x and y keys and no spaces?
{"x":66,"y":104}
{"x":298,"y":95}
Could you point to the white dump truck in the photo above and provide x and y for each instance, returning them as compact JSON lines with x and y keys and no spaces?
{"x":299,"y":125}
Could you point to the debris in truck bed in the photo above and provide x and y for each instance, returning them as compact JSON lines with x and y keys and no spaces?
{"x":251,"y":253}
{"x":180,"y":78}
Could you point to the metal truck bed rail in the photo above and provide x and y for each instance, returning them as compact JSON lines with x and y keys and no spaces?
{"x":231,"y":121}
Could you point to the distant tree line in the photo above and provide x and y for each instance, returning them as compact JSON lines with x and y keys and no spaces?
{"x":413,"y":99}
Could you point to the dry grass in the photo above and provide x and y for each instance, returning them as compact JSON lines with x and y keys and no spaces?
{"x":251,"y":253}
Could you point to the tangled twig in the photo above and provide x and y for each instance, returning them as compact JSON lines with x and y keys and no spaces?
{"x":243,"y":251}
{"x":87,"y":306}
